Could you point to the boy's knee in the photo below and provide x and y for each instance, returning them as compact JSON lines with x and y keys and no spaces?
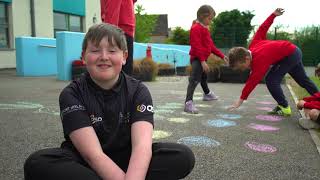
{"x":314,"y":113}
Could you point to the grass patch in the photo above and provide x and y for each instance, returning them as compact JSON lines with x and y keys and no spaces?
{"x":299,"y":91}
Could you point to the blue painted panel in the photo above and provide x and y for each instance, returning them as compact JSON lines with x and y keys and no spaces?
{"x":35,"y":56}
{"x":69,"y":47}
{"x":164,"y":53}
{"x":9,"y":1}
{"x":76,"y":7}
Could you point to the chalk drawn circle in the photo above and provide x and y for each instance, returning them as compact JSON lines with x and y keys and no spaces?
{"x":266,"y":102}
{"x":158,"y":134}
{"x":264,"y":148}
{"x":230,"y":116}
{"x":190,"y":114}
{"x":261,"y":127}
{"x":203,"y":105}
{"x":197,"y":98}
{"x":201,"y":141}
{"x":158,"y":117}
{"x":271,"y":118}
{"x":178,"y":120}
{"x":220,"y":123}
{"x":264,"y":108}
{"x":165,"y":111}
{"x":170,"y":106}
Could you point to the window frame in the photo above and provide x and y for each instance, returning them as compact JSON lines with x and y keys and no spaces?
{"x":67,"y":17}
{"x":6,"y":27}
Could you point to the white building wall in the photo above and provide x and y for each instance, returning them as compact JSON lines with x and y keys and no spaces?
{"x":20,"y":23}
{"x":92,"y":10}
{"x":44,"y":18}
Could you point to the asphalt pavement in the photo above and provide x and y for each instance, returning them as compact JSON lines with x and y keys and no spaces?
{"x":242,"y":144}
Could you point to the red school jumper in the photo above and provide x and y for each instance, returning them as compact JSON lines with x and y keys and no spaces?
{"x":264,"y":54}
{"x":201,"y":43}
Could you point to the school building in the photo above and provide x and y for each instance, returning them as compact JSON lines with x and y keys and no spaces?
{"x":42,"y":18}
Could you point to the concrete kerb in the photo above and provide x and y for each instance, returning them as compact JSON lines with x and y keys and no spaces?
{"x":312,"y":132}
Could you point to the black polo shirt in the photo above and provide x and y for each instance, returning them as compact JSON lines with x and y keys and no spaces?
{"x":110,"y":112}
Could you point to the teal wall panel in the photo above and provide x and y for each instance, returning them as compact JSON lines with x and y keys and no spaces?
{"x":76,"y":7}
{"x":6,"y":1}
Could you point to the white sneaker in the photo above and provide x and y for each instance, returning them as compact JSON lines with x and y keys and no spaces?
{"x":308,"y":124}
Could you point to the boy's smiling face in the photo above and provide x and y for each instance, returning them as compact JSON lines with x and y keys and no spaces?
{"x":104,"y":62}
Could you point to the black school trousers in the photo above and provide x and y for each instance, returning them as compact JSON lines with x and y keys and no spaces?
{"x":170,"y":161}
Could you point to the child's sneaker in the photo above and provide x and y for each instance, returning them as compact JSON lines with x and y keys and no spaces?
{"x":209,"y":97}
{"x":190,"y":107}
{"x":308,"y":124}
{"x":280,"y":110}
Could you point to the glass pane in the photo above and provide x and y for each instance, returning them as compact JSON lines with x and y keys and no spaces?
{"x":60,"y":21}
{"x":75,"y":23}
{"x":2,"y":14}
{"x":3,"y":38}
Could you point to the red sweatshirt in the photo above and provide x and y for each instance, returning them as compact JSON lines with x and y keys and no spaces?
{"x":201,"y":43}
{"x":119,"y":13}
{"x":264,"y":54}
{"x":312,"y":102}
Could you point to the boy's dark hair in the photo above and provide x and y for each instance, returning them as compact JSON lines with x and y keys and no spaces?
{"x":97,"y":32}
{"x":205,"y":11}
{"x":237,"y":55}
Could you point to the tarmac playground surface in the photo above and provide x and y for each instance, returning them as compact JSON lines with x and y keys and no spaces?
{"x":242,"y":144}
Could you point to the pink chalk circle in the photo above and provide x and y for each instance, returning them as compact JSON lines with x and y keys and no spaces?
{"x":271,"y":118}
{"x":261,"y":127}
{"x":265,"y":108}
{"x":264,"y":148}
{"x":266,"y":102}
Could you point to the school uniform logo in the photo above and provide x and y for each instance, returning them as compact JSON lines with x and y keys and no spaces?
{"x":95,"y":119}
{"x":143,"y":108}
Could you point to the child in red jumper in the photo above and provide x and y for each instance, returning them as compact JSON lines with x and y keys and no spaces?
{"x":311,"y":108}
{"x":282,"y":56}
{"x":121,"y":14}
{"x":202,"y":47}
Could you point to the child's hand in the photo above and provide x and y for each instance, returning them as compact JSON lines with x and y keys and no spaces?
{"x":235,"y":105}
{"x":205,"y":67}
{"x":300,"y":104}
{"x":226,"y":60}
{"x":278,"y":12}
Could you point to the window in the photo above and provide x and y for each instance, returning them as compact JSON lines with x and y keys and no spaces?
{"x":66,"y":22}
{"x":4,"y":26}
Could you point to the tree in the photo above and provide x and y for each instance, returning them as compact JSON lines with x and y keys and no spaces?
{"x":180,"y":36}
{"x":144,"y":25}
{"x":231,"y":28}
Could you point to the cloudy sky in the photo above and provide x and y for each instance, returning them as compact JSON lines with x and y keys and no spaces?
{"x":181,"y":12}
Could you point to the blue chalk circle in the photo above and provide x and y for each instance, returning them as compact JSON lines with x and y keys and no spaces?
{"x":221,"y":123}
{"x":199,"y":141}
{"x":230,"y":116}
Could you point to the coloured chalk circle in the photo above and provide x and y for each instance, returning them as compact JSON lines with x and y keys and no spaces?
{"x":271,"y":118}
{"x":158,"y":117}
{"x":265,"y":108}
{"x":158,"y":134}
{"x":178,"y":120}
{"x":229,"y":116}
{"x":220,"y":123}
{"x":197,"y":98}
{"x":165,"y":111}
{"x":203,"y":105}
{"x":266,"y":102}
{"x":264,"y":148}
{"x":21,"y":105}
{"x":261,"y":127}
{"x":190,"y":114}
{"x":199,"y":141}
{"x":170,"y":106}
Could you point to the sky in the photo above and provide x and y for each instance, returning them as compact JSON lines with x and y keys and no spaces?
{"x":297,"y":14}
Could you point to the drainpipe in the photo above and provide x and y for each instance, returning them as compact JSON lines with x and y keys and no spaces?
{"x":33,"y":25}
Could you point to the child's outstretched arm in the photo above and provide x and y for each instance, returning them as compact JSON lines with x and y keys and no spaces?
{"x":261,"y":33}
